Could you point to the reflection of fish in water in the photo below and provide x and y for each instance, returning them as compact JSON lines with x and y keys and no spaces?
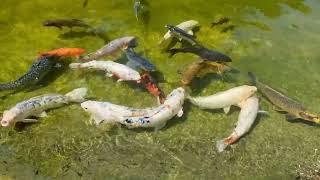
{"x":181,"y":34}
{"x":138,"y":62}
{"x":60,"y":23}
{"x":36,"y":73}
{"x":204,"y":53}
{"x":220,"y":21}
{"x":294,"y":109}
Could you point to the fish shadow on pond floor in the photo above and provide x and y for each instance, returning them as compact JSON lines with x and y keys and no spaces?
{"x":304,"y":122}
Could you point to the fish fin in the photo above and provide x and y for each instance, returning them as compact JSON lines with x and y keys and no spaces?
{"x":278,"y":109}
{"x":291,"y":117}
{"x":41,"y":115}
{"x":96,"y":120}
{"x":29,"y":120}
{"x":159,"y":126}
{"x":75,"y":65}
{"x":109,"y":74}
{"x":263,"y":112}
{"x":77,"y":95}
{"x":221,"y":146}
{"x":190,"y":32}
{"x":158,"y":100}
{"x":252,"y":77}
{"x":180,"y":113}
{"x":227,"y":109}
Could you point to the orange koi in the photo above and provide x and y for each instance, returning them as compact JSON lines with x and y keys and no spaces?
{"x":64,"y":52}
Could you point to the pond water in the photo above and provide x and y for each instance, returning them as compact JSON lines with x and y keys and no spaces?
{"x":277,"y":39}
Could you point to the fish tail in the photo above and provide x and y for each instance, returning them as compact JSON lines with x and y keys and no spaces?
{"x":75,"y":65}
{"x":252,"y":77}
{"x":221,"y":145}
{"x":77,"y":95}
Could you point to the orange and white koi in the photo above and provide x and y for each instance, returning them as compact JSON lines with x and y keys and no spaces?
{"x":156,"y":117}
{"x":122,"y":72}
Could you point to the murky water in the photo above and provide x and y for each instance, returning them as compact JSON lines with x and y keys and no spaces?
{"x":276,"y":39}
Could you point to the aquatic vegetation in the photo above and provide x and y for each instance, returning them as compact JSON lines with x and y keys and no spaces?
{"x":66,"y":146}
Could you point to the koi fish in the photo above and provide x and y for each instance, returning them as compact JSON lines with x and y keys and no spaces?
{"x":186,"y":26}
{"x":39,"y":69}
{"x":181,"y":34}
{"x":151,"y":85}
{"x":112,"y":48}
{"x":64,"y":52}
{"x":138,"y":62}
{"x":224,"y":99}
{"x":156,"y":117}
{"x":122,"y":72}
{"x":204,"y":53}
{"x":37,"y":106}
{"x":295,"y":110}
{"x":247,"y":116}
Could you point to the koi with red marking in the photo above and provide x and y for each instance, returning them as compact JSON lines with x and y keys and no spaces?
{"x":151,"y":85}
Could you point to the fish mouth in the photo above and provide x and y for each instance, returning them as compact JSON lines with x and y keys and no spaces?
{"x":5,"y":123}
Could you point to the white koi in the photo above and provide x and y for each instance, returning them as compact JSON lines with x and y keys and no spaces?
{"x":37,"y":106}
{"x":224,"y":99}
{"x":122,"y":72}
{"x":247,"y":116}
{"x":156,"y":117}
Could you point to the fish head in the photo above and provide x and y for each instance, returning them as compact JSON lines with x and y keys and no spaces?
{"x":169,"y":27}
{"x":252,"y":89}
{"x":90,"y":106}
{"x":8,"y":118}
{"x":310,"y":116}
{"x":176,"y":95}
{"x":130,"y":42}
{"x":48,"y":23}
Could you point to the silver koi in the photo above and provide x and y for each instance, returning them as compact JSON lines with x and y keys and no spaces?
{"x":156,"y":117}
{"x":37,"y":106}
{"x":112,"y":48}
{"x":122,"y":72}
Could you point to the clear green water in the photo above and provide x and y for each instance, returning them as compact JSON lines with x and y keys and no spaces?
{"x":277,"y":39}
